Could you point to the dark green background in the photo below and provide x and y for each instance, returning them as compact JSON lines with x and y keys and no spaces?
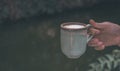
{"x":33,"y":44}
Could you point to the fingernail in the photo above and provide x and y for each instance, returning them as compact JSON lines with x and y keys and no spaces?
{"x":100,"y":43}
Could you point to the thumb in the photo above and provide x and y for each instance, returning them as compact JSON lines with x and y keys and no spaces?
{"x":94,"y":24}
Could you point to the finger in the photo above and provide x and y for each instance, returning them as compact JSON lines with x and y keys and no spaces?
{"x":94,"y":24}
{"x":93,"y":42}
{"x":97,"y":44}
{"x":93,"y":31}
{"x":100,"y":47}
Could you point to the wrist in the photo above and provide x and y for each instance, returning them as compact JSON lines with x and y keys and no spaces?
{"x":118,"y":36}
{"x":119,"y":41}
{"x":119,"y":45}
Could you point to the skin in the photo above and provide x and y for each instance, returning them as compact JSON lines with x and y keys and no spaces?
{"x":105,"y":34}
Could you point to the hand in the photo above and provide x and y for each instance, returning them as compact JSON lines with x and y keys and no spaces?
{"x":105,"y":34}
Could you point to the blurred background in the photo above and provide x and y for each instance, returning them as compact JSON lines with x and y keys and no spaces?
{"x":30,"y":33}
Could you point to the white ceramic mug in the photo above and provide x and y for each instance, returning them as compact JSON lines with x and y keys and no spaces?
{"x":74,"y":38}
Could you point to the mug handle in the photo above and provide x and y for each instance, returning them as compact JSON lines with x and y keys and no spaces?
{"x":89,"y":36}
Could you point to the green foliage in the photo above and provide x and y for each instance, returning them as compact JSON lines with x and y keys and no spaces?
{"x":107,"y":62}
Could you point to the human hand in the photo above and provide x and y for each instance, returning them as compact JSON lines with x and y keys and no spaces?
{"x":105,"y":34}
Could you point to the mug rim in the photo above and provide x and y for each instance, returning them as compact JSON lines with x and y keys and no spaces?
{"x":72,"y":23}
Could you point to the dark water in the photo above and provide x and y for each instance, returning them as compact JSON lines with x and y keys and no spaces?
{"x":34,"y":44}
